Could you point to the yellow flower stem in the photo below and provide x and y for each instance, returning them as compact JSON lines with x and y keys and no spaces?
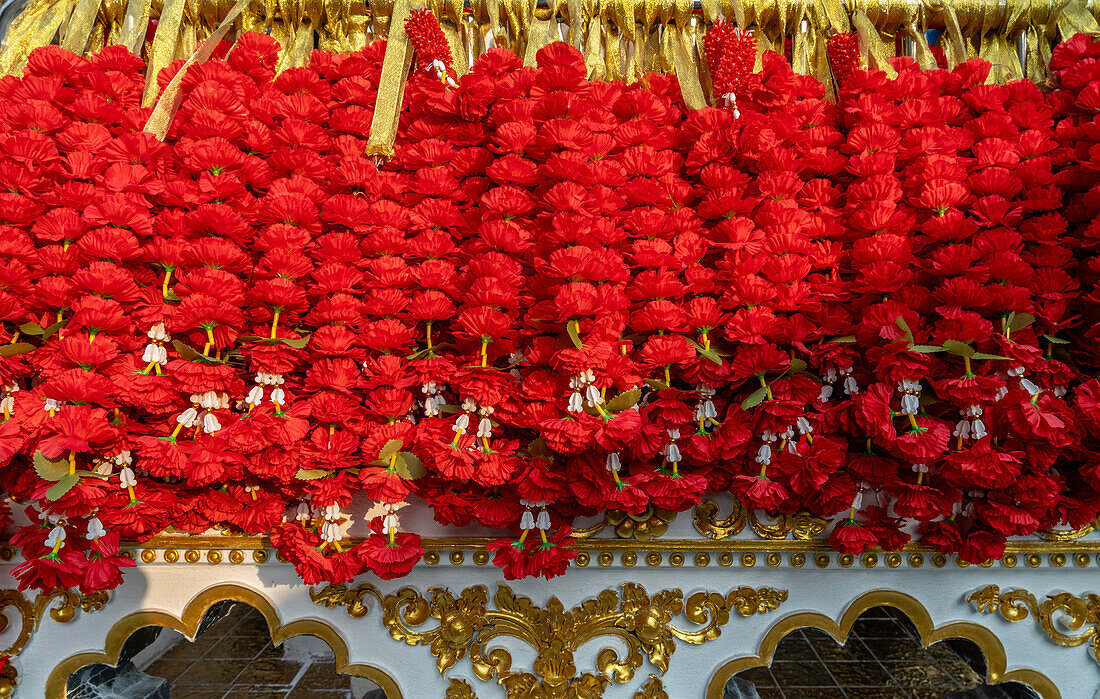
{"x":764,"y":385}
{"x":429,"y":327}
{"x":485,"y":441}
{"x":72,"y":463}
{"x":7,"y":413}
{"x":57,"y":546}
{"x":675,"y":468}
{"x":920,"y":477}
{"x":52,"y":413}
{"x":331,"y":428}
{"x":622,"y":349}
{"x":706,"y":342}
{"x":960,"y":447}
{"x":809,"y":438}
{"x":702,"y":424}
{"x":195,"y":434}
{"x":601,"y":411}
{"x":393,"y":461}
{"x":164,"y":284}
{"x":209,"y":339}
{"x":275,"y":323}
{"x":458,"y":435}
{"x":763,"y":471}
{"x":523,"y":536}
{"x":852,"y":512}
{"x":668,"y":379}
{"x":323,"y":546}
{"x":339,"y":548}
{"x":392,"y":534}
{"x":148,"y":367}
{"x":912,"y":420}
{"x":615,"y":475}
{"x":175,"y":432}
{"x":15,"y":337}
{"x":542,"y":533}
{"x":966,"y":364}
{"x":60,"y":315}
{"x":252,"y":493}
{"x":130,"y":491}
{"x":714,"y":422}
{"x":484,"y":353}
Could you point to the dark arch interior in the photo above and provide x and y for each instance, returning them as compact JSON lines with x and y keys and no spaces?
{"x":232,"y":657}
{"x":881,"y":659}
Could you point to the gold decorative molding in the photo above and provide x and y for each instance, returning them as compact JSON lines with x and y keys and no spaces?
{"x":188,"y":624}
{"x":929,"y":633}
{"x":1069,"y":534}
{"x":1017,"y":605}
{"x":652,"y":689}
{"x":460,"y":689}
{"x":802,"y":525}
{"x":61,"y":604}
{"x":648,"y":525}
{"x":468,"y":627}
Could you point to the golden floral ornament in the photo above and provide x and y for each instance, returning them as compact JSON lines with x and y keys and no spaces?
{"x":468,"y":627}
{"x":645,"y":526}
{"x":1077,"y":614}
{"x":801,"y":525}
{"x":62,"y":605}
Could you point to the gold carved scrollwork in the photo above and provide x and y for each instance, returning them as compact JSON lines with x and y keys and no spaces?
{"x":1069,"y":534}
{"x":460,"y":689}
{"x":1076,"y":613}
{"x":650,"y":524}
{"x":61,"y":603}
{"x":652,"y":689}
{"x":802,"y":525}
{"x":468,"y":627}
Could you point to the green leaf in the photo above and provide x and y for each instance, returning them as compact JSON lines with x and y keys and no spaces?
{"x":389,"y":449}
{"x":755,"y":398}
{"x":625,"y":400}
{"x":796,"y":366}
{"x":656,"y":385}
{"x":311,"y":474}
{"x":62,"y":486}
{"x":842,"y":338}
{"x":188,"y":353}
{"x":1019,"y":321}
{"x":926,"y":349}
{"x":31,"y":329}
{"x":983,"y":355}
{"x":50,"y":469}
{"x":571,"y":328}
{"x":13,"y":349}
{"x":408,"y":466}
{"x":706,"y":353}
{"x":1056,"y":340}
{"x":962,"y":349}
{"x":905,"y":327}
{"x":49,"y":332}
{"x":538,"y":449}
{"x":92,"y":474}
{"x":171,"y":296}
{"x":296,"y":344}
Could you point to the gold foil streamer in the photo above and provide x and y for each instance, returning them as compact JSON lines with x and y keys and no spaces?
{"x":953,"y":40}
{"x":80,"y":26}
{"x":134,"y":25}
{"x":169,"y":101}
{"x":687,"y":65}
{"x":391,"y":87}
{"x":163,"y":49}
{"x":871,"y":45}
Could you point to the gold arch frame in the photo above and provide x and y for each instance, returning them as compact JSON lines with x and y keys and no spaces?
{"x":986,"y":640}
{"x":189,"y":625}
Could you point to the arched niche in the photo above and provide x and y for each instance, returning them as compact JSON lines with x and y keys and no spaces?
{"x":990,"y":646}
{"x":188,"y":625}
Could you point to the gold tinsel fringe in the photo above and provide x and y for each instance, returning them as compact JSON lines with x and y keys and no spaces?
{"x":620,"y":39}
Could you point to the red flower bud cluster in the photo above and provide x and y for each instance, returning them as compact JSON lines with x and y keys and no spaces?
{"x":559,"y":297}
{"x":731,"y":58}
{"x":842,"y":49}
{"x":428,"y":40}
